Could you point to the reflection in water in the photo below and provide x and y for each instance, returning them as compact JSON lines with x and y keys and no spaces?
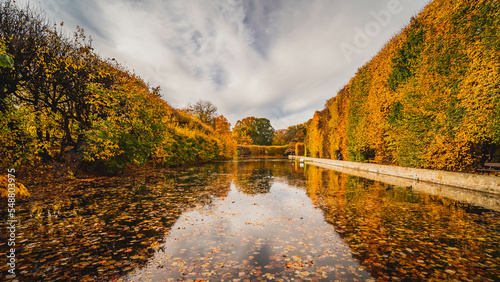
{"x":253,"y":180}
{"x":246,"y":236}
{"x":101,"y":229}
{"x":400,"y":234}
{"x":395,"y":234}
{"x":251,"y":219}
{"x":255,"y":176}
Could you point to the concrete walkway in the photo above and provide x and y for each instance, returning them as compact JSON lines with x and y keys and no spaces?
{"x":482,"y":183}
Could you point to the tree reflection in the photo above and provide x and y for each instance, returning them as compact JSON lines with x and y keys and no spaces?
{"x":106,"y":228}
{"x":257,"y":176}
{"x":255,"y":181}
{"x":406,"y":235}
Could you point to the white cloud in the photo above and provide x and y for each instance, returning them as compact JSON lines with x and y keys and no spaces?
{"x":276,"y":59}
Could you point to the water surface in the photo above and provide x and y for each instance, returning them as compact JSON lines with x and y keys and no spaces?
{"x":264,"y":228}
{"x":250,"y":220}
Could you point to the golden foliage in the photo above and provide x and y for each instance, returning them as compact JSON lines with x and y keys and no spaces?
{"x":384,"y":228}
{"x":61,"y":96}
{"x":299,"y":149}
{"x":21,"y":190}
{"x":256,"y":150}
{"x":430,"y":98}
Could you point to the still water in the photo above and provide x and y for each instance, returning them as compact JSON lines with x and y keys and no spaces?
{"x":253,"y":220}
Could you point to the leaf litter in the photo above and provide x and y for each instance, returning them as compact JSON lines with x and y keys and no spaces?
{"x":207,"y":224}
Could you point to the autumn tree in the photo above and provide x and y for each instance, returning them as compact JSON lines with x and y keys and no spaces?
{"x":293,"y":135}
{"x":259,"y":130}
{"x":204,"y":110}
{"x":57,"y":94}
{"x":25,"y":37}
{"x":222,"y":125}
{"x":280,"y":137}
{"x":21,"y":33}
{"x":223,"y":130}
{"x":296,"y":133}
{"x":51,"y":75}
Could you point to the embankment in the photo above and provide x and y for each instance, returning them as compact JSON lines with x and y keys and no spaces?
{"x":482,"y":183}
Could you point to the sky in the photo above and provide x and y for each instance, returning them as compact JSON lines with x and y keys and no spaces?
{"x":277,"y":59}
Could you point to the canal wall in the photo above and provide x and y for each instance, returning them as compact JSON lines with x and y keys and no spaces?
{"x":486,"y":200}
{"x":483,"y":183}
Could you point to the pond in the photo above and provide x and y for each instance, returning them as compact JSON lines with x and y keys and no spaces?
{"x":250,"y":220}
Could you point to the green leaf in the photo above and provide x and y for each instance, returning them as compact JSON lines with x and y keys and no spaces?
{"x":6,"y":61}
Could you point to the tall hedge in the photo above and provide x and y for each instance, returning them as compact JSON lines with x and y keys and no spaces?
{"x":430,"y":98}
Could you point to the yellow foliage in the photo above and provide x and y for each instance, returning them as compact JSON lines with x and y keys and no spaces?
{"x":243,"y":140}
{"x":61,"y":96}
{"x":299,"y":149}
{"x":20,"y":189}
{"x":430,"y":98}
{"x":257,"y":150}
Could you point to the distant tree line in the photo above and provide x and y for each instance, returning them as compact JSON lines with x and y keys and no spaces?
{"x":250,"y":130}
{"x":255,"y":131}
